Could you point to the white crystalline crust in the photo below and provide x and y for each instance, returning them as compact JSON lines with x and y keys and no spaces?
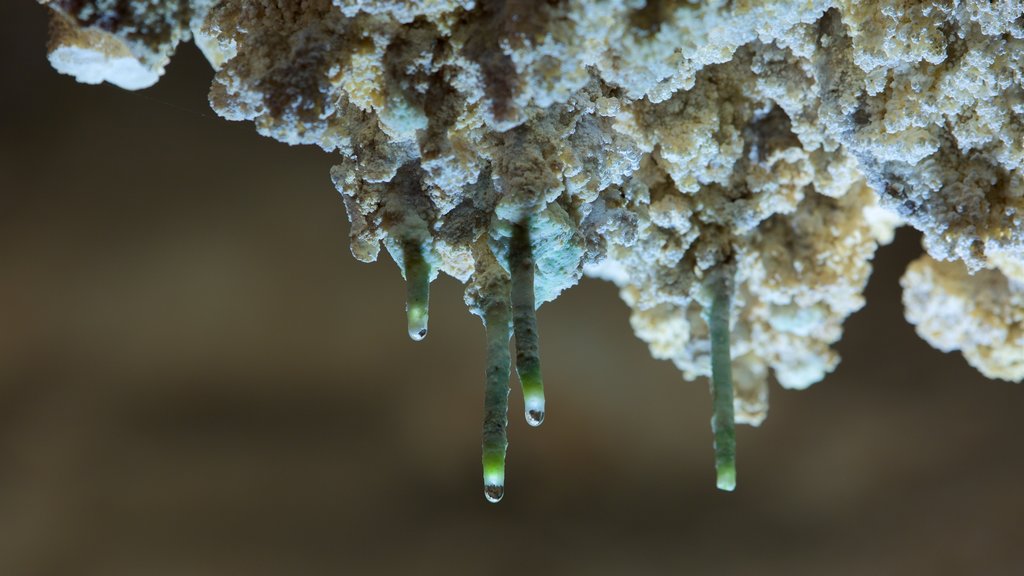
{"x":650,"y":141}
{"x":981,"y":315}
{"x":94,"y":66}
{"x":125,"y":43}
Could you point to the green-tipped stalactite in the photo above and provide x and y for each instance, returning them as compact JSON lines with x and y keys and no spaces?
{"x":723,"y":422}
{"x":417,"y":283}
{"x":499,"y":364}
{"x":524,"y":320}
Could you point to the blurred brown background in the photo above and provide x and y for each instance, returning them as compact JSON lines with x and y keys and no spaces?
{"x":196,"y":378}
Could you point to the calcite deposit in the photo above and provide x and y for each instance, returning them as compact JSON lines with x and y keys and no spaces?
{"x":981,"y":314}
{"x":751,"y":154}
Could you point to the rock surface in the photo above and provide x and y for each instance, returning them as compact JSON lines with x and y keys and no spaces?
{"x":647,"y":143}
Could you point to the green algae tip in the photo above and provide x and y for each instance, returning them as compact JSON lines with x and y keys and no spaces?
{"x":495,"y":427}
{"x":533,"y":399}
{"x":417,"y":283}
{"x":726,"y":476}
{"x":524,"y":320}
{"x":723,"y":422}
{"x":494,"y":475}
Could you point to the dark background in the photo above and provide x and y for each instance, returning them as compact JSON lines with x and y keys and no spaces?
{"x":197,"y":378}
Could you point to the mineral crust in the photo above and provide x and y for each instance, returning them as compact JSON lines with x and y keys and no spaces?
{"x":981,"y":314}
{"x":647,"y":143}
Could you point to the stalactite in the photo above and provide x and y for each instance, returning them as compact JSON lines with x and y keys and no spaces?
{"x":723,"y":422}
{"x":524,"y":320}
{"x":417,"y":282}
{"x":497,"y":323}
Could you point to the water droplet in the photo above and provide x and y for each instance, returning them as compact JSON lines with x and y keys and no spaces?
{"x":417,"y":325}
{"x":533,"y":392}
{"x":494,"y":492}
{"x":534,"y":417}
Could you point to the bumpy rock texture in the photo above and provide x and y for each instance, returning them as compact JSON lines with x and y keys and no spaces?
{"x":648,"y":143}
{"x":980,"y":314}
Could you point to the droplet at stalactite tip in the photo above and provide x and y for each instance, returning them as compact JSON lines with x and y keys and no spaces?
{"x":723,"y":422}
{"x":494,"y":475}
{"x":495,"y":428}
{"x":417,"y":281}
{"x":524,"y":318}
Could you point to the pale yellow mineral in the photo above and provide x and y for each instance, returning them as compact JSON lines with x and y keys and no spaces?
{"x":982,"y":315}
